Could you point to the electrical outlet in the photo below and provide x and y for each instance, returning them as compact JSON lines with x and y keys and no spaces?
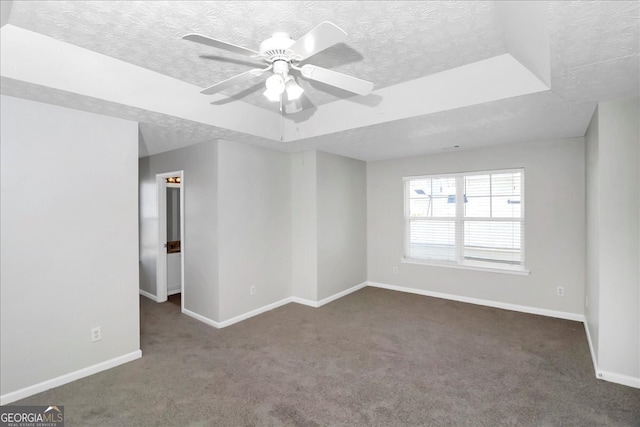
{"x":252,"y":290}
{"x":96,"y":334}
{"x":395,"y":270}
{"x":560,"y":291}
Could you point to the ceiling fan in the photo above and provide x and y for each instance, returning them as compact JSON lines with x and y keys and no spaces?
{"x":283,"y":55}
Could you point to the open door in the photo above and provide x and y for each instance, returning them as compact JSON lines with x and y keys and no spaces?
{"x":170,"y":258}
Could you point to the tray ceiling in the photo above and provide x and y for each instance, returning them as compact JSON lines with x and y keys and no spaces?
{"x":591,"y":53}
{"x":388,"y":42}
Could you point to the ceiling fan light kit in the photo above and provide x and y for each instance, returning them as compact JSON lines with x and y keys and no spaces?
{"x":282,"y":55}
{"x":294,"y":91}
{"x":275,"y":84}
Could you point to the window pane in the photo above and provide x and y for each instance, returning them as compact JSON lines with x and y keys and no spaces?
{"x":497,"y":241}
{"x":493,"y":196}
{"x":430,"y":197}
{"x":443,"y":207}
{"x":419,"y":188}
{"x":505,"y":207}
{"x":505,"y":184}
{"x":477,"y":185}
{"x":478,"y":203}
{"x":420,"y":207}
{"x":432,"y":239}
{"x":478,"y":207}
{"x":505,"y":189}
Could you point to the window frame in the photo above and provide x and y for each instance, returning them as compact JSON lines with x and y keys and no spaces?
{"x":459,"y":220}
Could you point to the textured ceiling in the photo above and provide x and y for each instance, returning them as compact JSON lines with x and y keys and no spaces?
{"x":164,"y":132}
{"x":593,"y":50}
{"x":388,"y":42}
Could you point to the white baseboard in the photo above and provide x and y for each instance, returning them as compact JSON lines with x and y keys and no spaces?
{"x":255,"y":312}
{"x":148,"y":295}
{"x":67,"y":378}
{"x":268,"y":307}
{"x":304,"y":301}
{"x":239,"y":318}
{"x":201,"y":318}
{"x":341,"y":294}
{"x":327,"y":300}
{"x":592,"y":349}
{"x":613,"y":377}
{"x":496,"y":304}
{"x":173,"y":292}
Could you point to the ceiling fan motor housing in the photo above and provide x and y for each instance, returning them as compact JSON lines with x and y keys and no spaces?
{"x":276,"y":47}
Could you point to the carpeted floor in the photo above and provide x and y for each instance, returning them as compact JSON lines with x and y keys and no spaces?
{"x":375,"y":357}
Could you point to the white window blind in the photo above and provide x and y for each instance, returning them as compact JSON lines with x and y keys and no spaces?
{"x":474,"y":219}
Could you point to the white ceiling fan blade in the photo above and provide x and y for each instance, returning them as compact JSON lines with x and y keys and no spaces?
{"x":339,"y":80}
{"x":240,"y":78}
{"x":321,"y":37}
{"x":198,"y":38}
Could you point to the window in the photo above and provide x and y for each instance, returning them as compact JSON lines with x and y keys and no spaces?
{"x":466,"y":219}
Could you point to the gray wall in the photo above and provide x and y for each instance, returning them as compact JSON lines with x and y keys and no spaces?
{"x":592,"y":283}
{"x":342,"y":223}
{"x":199,"y":190}
{"x":329,"y":234}
{"x":554,"y":220}
{"x":614,"y":217}
{"x":304,"y":229}
{"x":254,"y":219}
{"x":68,"y":241}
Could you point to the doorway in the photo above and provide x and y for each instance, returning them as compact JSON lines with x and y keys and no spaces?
{"x":170,"y":259}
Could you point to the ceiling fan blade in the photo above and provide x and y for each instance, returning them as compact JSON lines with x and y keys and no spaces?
{"x":321,"y":37}
{"x":247,"y":75}
{"x":339,"y":80}
{"x":198,"y":38}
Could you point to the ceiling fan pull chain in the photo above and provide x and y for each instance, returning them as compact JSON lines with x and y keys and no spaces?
{"x":281,"y":122}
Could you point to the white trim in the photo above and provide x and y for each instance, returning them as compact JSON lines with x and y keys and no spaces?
{"x":463,"y":173}
{"x":272,"y":306}
{"x":613,"y":377}
{"x":161,"y":250}
{"x":327,"y":300}
{"x":67,"y":378}
{"x":201,"y":318}
{"x":173,"y":292}
{"x":594,"y":359}
{"x":148,"y":295}
{"x":238,"y":318}
{"x":183,"y":218}
{"x":341,"y":294}
{"x":503,"y":305}
{"x":255,"y":312}
{"x":304,"y":301}
{"x":162,"y":291}
{"x":465,"y":266}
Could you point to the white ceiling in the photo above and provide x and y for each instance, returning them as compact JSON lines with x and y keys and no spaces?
{"x":443,"y":71}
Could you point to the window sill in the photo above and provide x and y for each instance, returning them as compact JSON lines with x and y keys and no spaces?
{"x":517,"y":272}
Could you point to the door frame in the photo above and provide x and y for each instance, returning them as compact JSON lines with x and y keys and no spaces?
{"x":161,"y":253}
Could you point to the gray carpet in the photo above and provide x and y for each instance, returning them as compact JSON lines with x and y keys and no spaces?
{"x":375,"y":357}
